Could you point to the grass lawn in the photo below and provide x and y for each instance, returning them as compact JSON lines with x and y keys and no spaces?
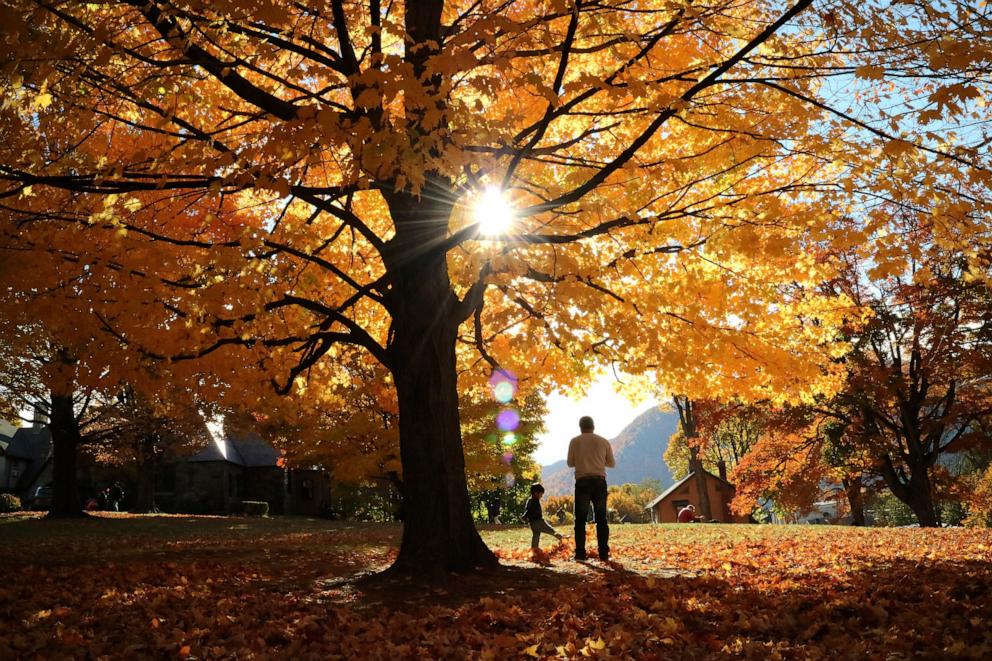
{"x":213,"y":587}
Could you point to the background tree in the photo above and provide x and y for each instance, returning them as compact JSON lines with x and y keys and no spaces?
{"x":917,"y":389}
{"x":500,"y":439}
{"x":628,"y":502}
{"x":727,"y":433}
{"x":142,"y":431}
{"x":918,"y":373}
{"x":47,"y":379}
{"x":307,"y":171}
{"x":980,"y":505}
{"x":785,"y":468}
{"x":848,"y":463}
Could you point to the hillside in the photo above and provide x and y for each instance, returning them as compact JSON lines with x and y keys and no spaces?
{"x":638,"y":450}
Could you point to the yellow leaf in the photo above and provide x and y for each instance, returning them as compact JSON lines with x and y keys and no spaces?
{"x":869,"y":72}
{"x":897,"y":147}
{"x":368,"y":99}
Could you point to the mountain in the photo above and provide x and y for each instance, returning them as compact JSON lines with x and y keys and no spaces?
{"x":638,"y":450}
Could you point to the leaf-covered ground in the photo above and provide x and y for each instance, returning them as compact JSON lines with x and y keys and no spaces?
{"x":207,"y":588}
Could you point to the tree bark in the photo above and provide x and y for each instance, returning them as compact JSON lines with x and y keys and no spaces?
{"x":855,"y":499}
{"x":144,"y":495}
{"x":66,"y":437}
{"x":439,"y":535}
{"x":915,"y":490}
{"x":688,"y":420}
{"x":922,"y":503}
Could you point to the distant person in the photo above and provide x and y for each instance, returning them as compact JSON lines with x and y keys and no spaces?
{"x":688,"y":514}
{"x":115,"y":496}
{"x":590,"y":454}
{"x":534,"y":516}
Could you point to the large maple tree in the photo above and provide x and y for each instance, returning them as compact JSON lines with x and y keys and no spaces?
{"x":287,"y":188}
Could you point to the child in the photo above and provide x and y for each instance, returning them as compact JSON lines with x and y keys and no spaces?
{"x":535,"y":517}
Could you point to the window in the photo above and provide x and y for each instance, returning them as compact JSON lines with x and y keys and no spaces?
{"x":679,"y":504}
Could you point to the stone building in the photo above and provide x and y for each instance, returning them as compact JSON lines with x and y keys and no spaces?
{"x":231,"y":470}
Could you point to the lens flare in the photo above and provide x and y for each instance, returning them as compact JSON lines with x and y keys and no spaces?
{"x":507,"y":457}
{"x":503,"y":376}
{"x":508,"y":420}
{"x":510,"y":480}
{"x":503,"y":391}
{"x":509,"y":438}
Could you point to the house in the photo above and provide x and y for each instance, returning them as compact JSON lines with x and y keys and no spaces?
{"x":215,"y":480}
{"x":231,"y":470}
{"x":26,"y":460}
{"x":665,"y":508}
{"x":4,"y":465}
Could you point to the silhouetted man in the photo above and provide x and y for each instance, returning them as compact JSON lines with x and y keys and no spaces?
{"x":590,"y":454}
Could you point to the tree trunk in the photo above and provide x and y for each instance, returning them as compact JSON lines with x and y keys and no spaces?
{"x":439,"y":534}
{"x":65,"y":440}
{"x":855,"y":499}
{"x":144,"y":495}
{"x":396,"y":495}
{"x":493,"y":502}
{"x":922,"y":503}
{"x":687,"y":419}
{"x":916,"y":491}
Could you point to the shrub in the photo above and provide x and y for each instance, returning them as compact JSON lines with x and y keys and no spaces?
{"x":255,"y":507}
{"x":889,"y":511}
{"x":980,"y":506}
{"x":9,"y":503}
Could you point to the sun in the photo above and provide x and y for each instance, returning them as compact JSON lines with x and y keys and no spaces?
{"x":493,"y":212}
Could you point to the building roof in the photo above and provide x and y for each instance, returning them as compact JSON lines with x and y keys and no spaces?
{"x":34,"y":445}
{"x":256,"y":452}
{"x":30,"y":443}
{"x":249,"y":451}
{"x":670,"y":490}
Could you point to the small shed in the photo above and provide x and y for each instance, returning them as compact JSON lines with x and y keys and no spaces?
{"x":665,"y":508}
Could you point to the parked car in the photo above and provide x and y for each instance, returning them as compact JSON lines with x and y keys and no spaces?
{"x":40,"y":498}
